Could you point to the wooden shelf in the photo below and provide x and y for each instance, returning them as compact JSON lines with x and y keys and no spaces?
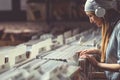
{"x":57,"y":10}
{"x":9,"y":43}
{"x":98,"y":75}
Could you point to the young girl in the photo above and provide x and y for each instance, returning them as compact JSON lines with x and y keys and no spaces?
{"x":103,"y":14}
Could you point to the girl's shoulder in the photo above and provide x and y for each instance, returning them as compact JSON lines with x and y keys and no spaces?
{"x":117,"y":26}
{"x":117,"y":29}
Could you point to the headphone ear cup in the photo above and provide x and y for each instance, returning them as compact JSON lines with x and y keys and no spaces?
{"x":100,"y":12}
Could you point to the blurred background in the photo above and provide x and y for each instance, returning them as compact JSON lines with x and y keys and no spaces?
{"x":21,"y":19}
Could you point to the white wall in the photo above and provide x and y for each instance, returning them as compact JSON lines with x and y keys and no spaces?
{"x":5,"y":5}
{"x":23,"y":4}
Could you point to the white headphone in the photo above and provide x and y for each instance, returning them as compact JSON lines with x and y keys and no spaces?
{"x":104,"y":4}
{"x":100,"y":12}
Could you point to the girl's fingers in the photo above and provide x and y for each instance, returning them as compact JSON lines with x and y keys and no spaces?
{"x":83,"y":52}
{"x":83,"y":56}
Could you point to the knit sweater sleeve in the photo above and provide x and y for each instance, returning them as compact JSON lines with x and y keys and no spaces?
{"x":118,"y":42}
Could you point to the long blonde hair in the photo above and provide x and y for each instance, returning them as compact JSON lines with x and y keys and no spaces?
{"x":105,"y":39}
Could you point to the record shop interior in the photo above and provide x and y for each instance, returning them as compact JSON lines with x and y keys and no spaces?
{"x":39,"y":40}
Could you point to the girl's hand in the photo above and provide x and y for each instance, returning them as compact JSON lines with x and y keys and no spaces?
{"x":91,"y":59}
{"x":88,"y":51}
{"x":82,"y":52}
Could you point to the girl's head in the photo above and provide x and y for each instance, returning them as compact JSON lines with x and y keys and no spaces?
{"x":96,"y":10}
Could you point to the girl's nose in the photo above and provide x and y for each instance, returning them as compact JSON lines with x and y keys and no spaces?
{"x":91,"y":21}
